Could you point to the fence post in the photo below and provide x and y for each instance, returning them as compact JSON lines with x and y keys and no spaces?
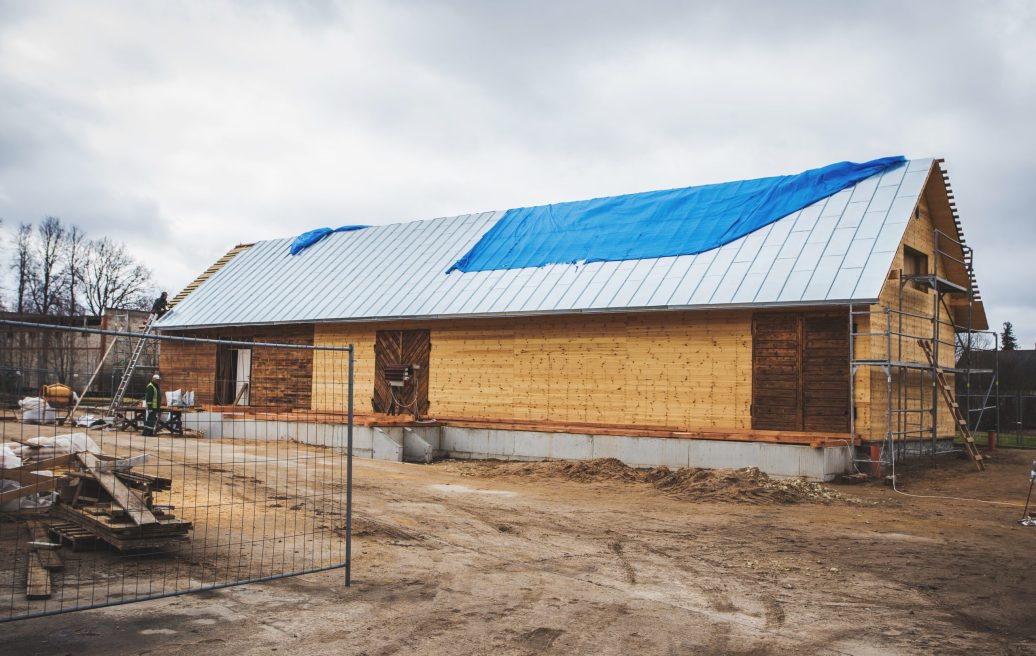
{"x":349,"y":480}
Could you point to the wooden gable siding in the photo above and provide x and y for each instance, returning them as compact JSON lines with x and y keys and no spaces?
{"x":914,"y":387}
{"x":679,"y":369}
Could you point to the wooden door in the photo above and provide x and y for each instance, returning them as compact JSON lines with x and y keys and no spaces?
{"x":800,"y":372}
{"x":410,"y":347}
{"x":776,"y":372}
{"x":825,"y":374}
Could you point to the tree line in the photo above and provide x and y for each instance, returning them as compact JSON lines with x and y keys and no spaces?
{"x":58,"y":270}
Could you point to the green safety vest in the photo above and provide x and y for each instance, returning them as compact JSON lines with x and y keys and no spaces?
{"x":151,"y":400}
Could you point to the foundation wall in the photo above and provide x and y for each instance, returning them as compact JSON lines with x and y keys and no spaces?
{"x":420,"y":444}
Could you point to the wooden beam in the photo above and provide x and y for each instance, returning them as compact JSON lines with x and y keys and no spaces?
{"x":23,"y":476}
{"x":50,"y":483}
{"x":50,"y":558}
{"x":123,"y":496}
{"x":37,"y":584}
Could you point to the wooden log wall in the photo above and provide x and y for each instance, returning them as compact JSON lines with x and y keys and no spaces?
{"x":688,"y":370}
{"x":279,"y":377}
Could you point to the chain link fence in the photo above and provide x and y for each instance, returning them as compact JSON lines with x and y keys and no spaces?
{"x":239,"y":470}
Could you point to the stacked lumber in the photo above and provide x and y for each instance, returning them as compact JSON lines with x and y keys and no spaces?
{"x":105,"y":497}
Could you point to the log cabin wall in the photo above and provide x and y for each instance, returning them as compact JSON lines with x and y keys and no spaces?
{"x":800,"y":371}
{"x":674,"y":369}
{"x":280,"y":378}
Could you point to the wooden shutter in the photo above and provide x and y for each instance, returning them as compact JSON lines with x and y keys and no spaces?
{"x":411,"y":347}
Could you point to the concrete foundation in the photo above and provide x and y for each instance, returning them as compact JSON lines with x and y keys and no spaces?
{"x":423,"y":443}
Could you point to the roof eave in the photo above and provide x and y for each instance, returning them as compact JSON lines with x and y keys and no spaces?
{"x":541,"y":313}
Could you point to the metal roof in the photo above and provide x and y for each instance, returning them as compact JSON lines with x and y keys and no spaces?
{"x":838,"y":249}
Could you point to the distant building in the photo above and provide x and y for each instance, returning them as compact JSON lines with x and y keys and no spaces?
{"x":31,"y":358}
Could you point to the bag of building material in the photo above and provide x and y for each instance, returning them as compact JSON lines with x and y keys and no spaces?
{"x":41,"y":448}
{"x":34,"y":501}
{"x":179,"y":399}
{"x":8,"y":458}
{"x":36,"y":411}
{"x":89,"y":421}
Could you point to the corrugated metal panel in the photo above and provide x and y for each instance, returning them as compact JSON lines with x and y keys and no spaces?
{"x":837,"y":249}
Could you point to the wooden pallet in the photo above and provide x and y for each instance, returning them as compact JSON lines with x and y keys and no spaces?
{"x":123,"y":533}
{"x":970,"y":447}
{"x":74,"y":536}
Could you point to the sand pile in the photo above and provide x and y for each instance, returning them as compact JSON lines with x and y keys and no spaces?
{"x":748,"y":485}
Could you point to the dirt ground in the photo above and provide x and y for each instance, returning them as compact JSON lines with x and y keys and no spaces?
{"x":512,"y":558}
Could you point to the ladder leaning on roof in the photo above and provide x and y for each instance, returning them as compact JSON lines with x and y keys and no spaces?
{"x":127,"y":375}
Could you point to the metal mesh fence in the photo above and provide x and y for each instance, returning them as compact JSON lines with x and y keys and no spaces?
{"x":242,"y":473}
{"x":1011,"y":416}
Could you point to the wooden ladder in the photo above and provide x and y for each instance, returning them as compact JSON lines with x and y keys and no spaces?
{"x":947,"y":395}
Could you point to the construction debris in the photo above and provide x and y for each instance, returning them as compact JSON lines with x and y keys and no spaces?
{"x":68,"y":492}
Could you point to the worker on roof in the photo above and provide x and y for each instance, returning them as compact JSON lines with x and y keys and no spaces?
{"x":152,"y":404}
{"x":160,"y":306}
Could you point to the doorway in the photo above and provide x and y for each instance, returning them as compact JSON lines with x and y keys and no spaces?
{"x":233,"y":375}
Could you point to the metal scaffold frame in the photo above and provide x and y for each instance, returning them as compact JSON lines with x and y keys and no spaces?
{"x":912,"y":383}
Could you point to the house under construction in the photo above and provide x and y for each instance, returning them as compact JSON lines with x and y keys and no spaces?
{"x":787,"y":323}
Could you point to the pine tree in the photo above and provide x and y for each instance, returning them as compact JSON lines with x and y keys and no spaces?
{"x":1007,"y":339}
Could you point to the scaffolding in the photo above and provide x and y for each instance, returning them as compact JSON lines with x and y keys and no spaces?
{"x":909,"y":348}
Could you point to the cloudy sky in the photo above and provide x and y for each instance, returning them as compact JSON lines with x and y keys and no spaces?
{"x":185,"y":128}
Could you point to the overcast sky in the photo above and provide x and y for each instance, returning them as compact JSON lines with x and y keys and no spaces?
{"x":185,"y":128}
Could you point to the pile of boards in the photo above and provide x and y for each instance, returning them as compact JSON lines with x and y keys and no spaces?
{"x":99,"y":498}
{"x":105,"y":497}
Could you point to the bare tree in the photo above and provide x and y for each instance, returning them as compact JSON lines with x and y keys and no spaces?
{"x":45,"y":284}
{"x":74,"y":254}
{"x":112,"y":278}
{"x":23,"y":265}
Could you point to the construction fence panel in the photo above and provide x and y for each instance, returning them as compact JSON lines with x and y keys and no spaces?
{"x":234,"y":479}
{"x":1011,"y":416}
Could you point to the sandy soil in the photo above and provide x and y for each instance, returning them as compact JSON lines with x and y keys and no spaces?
{"x":484,"y":558}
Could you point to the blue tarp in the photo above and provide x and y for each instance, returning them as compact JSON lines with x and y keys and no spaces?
{"x":657,"y":223}
{"x":307,"y":239}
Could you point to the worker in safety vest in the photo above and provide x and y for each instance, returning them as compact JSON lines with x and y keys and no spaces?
{"x":152,"y":402}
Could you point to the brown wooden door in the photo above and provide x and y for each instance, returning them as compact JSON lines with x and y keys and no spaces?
{"x":411,"y":347}
{"x":776,"y":372}
{"x":800,"y":372}
{"x":825,"y":374}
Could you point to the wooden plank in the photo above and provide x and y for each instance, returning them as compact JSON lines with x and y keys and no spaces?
{"x":47,"y":463}
{"x":50,"y":559}
{"x":47,"y":484}
{"x":23,"y":476}
{"x":37,"y":585}
{"x":123,"y":496}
